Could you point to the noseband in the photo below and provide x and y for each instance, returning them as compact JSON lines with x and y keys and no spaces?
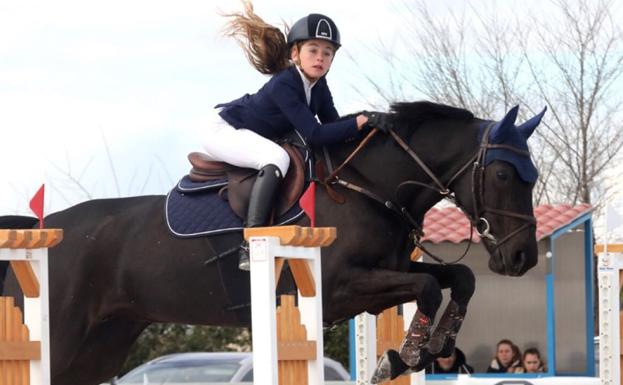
{"x":477,"y":220}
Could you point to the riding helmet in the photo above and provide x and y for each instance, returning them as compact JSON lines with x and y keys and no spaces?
{"x":314,"y":26}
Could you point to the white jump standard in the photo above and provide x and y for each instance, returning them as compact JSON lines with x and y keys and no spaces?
{"x":25,"y":348}
{"x":269,"y":247}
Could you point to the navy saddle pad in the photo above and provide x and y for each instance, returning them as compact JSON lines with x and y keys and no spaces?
{"x":196,"y":209}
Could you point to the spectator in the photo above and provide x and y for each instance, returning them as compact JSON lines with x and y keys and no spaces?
{"x":455,"y":363}
{"x":507,"y":356}
{"x":531,"y":362}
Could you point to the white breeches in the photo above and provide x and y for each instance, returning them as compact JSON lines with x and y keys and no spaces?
{"x":241,"y":147}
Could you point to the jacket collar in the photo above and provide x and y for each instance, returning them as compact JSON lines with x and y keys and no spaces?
{"x":307,"y":85}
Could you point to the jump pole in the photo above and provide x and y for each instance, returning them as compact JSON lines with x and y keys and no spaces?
{"x":25,"y":348}
{"x":269,"y":248}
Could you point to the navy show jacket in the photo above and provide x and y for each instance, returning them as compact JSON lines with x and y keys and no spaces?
{"x":280,"y":106}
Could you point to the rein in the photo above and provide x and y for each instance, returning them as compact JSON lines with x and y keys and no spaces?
{"x":478,"y":167}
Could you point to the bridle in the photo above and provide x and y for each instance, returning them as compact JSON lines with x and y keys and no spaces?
{"x":478,"y":200}
{"x":477,"y":219}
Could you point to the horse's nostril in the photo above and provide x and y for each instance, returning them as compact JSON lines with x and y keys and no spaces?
{"x":519,"y":259}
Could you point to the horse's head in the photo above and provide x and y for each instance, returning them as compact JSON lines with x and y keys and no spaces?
{"x":431,"y":152}
{"x":497,"y":193}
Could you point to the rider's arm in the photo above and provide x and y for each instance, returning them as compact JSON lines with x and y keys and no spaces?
{"x":301,"y":117}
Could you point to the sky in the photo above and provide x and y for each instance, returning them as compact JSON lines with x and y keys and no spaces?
{"x":105,"y":98}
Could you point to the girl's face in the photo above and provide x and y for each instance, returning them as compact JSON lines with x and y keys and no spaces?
{"x":531,"y":362}
{"x":505,"y":354}
{"x":446,"y":363}
{"x":314,"y":58}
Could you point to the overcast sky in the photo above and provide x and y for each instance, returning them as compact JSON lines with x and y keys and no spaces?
{"x":90,"y":87}
{"x":103,"y":98}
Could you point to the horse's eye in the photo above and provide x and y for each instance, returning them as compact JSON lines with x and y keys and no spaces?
{"x":501,"y":175}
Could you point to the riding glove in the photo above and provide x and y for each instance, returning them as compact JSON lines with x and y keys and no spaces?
{"x":380,"y":120}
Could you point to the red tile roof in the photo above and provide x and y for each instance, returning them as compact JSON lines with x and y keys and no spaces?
{"x":451,"y":225}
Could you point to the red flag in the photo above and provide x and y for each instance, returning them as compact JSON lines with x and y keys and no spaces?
{"x":308,"y":203}
{"x":36,"y":204}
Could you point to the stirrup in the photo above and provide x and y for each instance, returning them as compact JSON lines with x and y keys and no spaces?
{"x":244,"y":262}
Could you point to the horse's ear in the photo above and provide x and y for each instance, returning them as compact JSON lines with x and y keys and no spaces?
{"x":527,"y":128}
{"x":500,"y":131}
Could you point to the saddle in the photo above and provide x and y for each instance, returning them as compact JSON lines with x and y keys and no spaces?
{"x":240,"y":180}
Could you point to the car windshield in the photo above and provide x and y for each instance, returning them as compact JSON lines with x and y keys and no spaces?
{"x":187,"y":372}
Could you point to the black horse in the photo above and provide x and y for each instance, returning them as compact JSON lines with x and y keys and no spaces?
{"x":119,"y":269}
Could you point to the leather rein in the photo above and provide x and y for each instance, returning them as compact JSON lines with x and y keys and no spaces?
{"x":477,"y":220}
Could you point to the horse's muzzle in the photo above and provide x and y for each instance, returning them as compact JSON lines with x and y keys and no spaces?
{"x":513,"y":264}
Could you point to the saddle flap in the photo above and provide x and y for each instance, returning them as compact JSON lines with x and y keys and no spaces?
{"x":294,"y":182}
{"x":240,"y":183}
{"x":240,"y":180}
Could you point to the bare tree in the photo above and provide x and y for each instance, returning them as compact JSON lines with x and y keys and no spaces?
{"x":570,"y":60}
{"x":581,"y":64}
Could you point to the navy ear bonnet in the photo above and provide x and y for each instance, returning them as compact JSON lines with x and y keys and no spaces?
{"x":505,"y":132}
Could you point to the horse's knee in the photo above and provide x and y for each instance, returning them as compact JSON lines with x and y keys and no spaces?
{"x":464,"y":285}
{"x":429,"y":297}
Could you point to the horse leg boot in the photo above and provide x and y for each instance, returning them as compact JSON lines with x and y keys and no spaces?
{"x":413,"y":348}
{"x":444,"y":337}
{"x":413,"y":355}
{"x":261,"y":202}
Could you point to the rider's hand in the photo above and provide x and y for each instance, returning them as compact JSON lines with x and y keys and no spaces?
{"x":379,"y":120}
{"x":361,"y":122}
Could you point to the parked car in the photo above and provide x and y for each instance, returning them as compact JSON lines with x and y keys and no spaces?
{"x":204,"y":367}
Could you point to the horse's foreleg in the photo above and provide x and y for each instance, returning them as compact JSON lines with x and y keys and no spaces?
{"x":374,"y":290}
{"x":377,"y":290}
{"x":416,"y":350}
{"x":461,"y":282}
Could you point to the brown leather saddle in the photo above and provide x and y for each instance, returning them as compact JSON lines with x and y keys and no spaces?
{"x":240,"y":180}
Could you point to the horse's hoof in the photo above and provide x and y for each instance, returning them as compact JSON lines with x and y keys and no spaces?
{"x":389,"y":367}
{"x":425,"y":359}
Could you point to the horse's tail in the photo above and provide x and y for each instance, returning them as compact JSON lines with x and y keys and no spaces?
{"x":13,"y":222}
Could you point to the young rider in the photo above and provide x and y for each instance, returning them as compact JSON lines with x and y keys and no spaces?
{"x":243,"y":130}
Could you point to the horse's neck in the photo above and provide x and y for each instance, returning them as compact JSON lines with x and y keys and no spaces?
{"x":444,"y":147}
{"x":453,"y":147}
{"x":449,"y":157}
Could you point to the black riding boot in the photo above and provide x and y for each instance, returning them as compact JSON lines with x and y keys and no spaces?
{"x":261,"y":202}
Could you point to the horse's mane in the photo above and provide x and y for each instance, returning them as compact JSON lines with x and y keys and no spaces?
{"x":415,"y":113}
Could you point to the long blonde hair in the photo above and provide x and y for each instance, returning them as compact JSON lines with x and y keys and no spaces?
{"x":264,"y":45}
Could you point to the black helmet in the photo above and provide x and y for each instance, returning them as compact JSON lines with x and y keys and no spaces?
{"x":314,"y":26}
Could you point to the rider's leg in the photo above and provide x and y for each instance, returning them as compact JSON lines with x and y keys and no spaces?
{"x":245,"y":148}
{"x":263,"y":196}
{"x":241,"y":147}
